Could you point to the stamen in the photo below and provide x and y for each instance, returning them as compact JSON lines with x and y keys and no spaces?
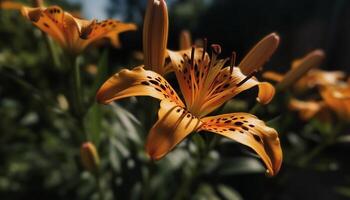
{"x":246,"y":78}
{"x":192,"y":56}
{"x":205,"y":43}
{"x":233,"y":61}
{"x":216,"y":49}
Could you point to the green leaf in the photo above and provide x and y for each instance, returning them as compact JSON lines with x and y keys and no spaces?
{"x":242,"y":165}
{"x":229,"y":193}
{"x":342,"y":190}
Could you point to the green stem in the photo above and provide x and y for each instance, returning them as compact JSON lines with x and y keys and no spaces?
{"x":255,"y":109}
{"x":53,"y":51}
{"x":77,"y":88}
{"x":316,"y":151}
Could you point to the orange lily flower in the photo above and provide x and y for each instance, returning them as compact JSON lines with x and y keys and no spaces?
{"x":72,"y":33}
{"x":337,"y":98}
{"x":205,"y":84}
{"x":301,"y":75}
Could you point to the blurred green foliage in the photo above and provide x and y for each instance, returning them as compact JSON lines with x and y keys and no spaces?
{"x":40,"y":136}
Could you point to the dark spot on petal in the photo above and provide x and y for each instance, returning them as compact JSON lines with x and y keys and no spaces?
{"x":226,"y":85}
{"x":145,"y":83}
{"x":238,"y":123}
{"x":257,"y":138}
{"x":154,"y":82}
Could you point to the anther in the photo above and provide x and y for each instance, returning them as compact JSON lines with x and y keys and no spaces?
{"x":246,"y":78}
{"x":233,"y":61}
{"x":216,"y":49}
{"x":192,"y":55}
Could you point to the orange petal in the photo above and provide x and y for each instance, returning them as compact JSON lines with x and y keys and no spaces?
{"x":48,"y":20}
{"x":186,"y":74}
{"x":259,"y":54}
{"x":274,"y":76}
{"x":105,"y":29}
{"x":306,"y":109}
{"x":8,"y":5}
{"x":338,"y":99}
{"x":249,"y":131}
{"x":228,"y":88}
{"x":173,"y":125}
{"x":136,"y":82}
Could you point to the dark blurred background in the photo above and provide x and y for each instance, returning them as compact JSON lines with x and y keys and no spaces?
{"x":303,"y":25}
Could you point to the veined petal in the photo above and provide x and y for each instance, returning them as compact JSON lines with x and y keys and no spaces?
{"x":259,"y":54}
{"x":189,"y":76}
{"x":173,"y":125}
{"x":229,"y":87}
{"x":136,"y":82}
{"x":249,"y":131}
{"x":49,"y":20}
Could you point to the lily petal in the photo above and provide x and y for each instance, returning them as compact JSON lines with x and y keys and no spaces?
{"x":173,"y":125}
{"x":274,"y":76}
{"x":136,"y":82}
{"x":48,"y":20}
{"x":229,"y":87}
{"x":307,"y":109}
{"x":249,"y":131}
{"x":8,"y":5}
{"x":106,"y":29}
{"x":188,"y":74}
{"x":338,"y":99}
{"x":259,"y":54}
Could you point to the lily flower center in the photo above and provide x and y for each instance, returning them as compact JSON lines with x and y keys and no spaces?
{"x":204,"y":81}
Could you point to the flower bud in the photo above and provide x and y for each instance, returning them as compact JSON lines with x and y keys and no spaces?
{"x":155,"y":35}
{"x":185,"y":40}
{"x":300,"y":68}
{"x":89,"y":157}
